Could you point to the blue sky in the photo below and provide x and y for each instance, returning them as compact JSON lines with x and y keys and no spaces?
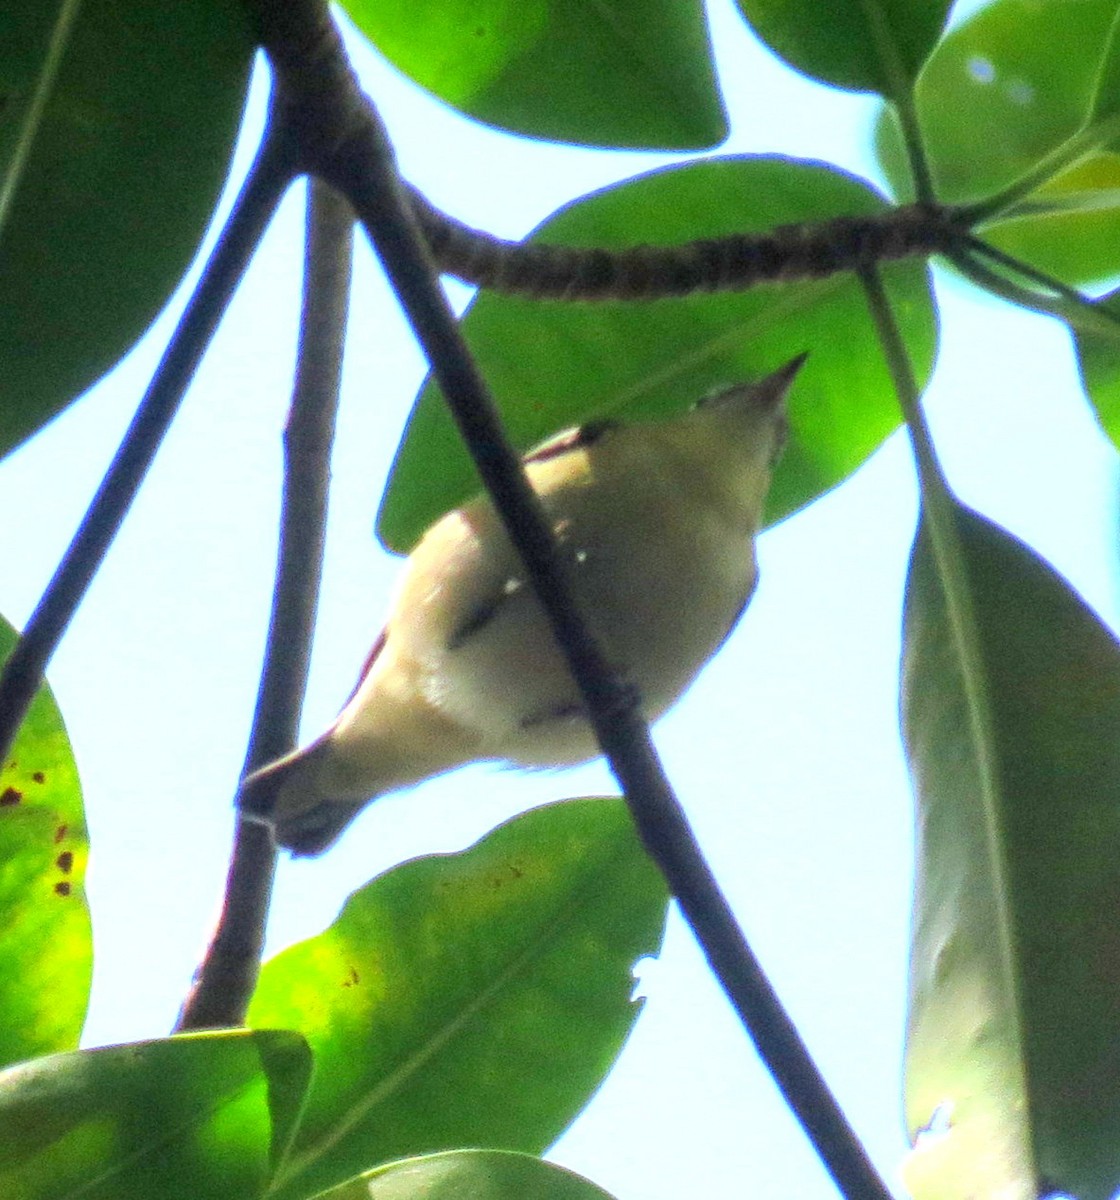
{"x":786,"y":752}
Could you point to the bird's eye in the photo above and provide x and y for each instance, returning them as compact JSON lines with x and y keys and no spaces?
{"x":593,"y":431}
{"x":719,"y":395}
{"x":571,"y":439}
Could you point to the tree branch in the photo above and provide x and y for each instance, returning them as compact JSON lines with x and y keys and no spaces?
{"x":227,"y":976}
{"x":737,"y":262}
{"x":612,"y":705}
{"x":362,"y":167}
{"x":310,"y":65}
{"x":23,"y":672}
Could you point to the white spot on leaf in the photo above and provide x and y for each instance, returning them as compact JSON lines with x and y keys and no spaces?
{"x":980,"y":69}
{"x":1019,"y":91}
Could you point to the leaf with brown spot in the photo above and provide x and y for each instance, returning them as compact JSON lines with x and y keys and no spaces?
{"x":45,"y":948}
{"x":488,"y":1015}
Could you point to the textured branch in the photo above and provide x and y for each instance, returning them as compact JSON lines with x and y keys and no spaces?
{"x":23,"y":672}
{"x":225,"y":980}
{"x":328,"y":111}
{"x":734,"y":263}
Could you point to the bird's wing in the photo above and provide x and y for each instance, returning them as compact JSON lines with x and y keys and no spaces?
{"x":367,"y":666}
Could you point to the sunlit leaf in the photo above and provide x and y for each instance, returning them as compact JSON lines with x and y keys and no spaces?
{"x":110,"y":165}
{"x":550,"y":365}
{"x":468,"y":1175}
{"x":1072,"y":224}
{"x":1001,"y":90}
{"x":46,"y":952}
{"x":626,"y":73}
{"x":201,"y":1117}
{"x":469,"y":999}
{"x":1010,"y":717}
{"x":867,"y":45}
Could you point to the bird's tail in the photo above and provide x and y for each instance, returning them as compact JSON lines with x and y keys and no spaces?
{"x":388,"y":736}
{"x":287,"y":795}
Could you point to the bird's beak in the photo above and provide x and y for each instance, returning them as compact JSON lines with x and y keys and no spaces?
{"x":773,"y":389}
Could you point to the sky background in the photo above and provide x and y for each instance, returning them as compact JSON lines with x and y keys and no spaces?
{"x":786,"y":752}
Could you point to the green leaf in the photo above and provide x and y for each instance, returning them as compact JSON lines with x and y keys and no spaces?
{"x":625,"y":73}
{"x":1000,"y":92}
{"x":866,"y":45}
{"x":1006,"y":99}
{"x":555,"y":364}
{"x":46,"y":951}
{"x":1098,"y":352}
{"x":469,"y":999}
{"x":1010,"y":718}
{"x":115,"y":137}
{"x":468,"y":1175}
{"x":1072,"y":226}
{"x":198,"y":1117}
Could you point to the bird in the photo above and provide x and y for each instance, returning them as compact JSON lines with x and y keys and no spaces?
{"x":657,"y":522}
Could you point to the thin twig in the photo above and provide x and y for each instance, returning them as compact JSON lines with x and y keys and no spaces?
{"x":228,"y":973}
{"x":912,"y":140}
{"x":985,"y":250}
{"x":901,"y":369}
{"x":1087,"y":315}
{"x":992,"y":281}
{"x":23,"y":672}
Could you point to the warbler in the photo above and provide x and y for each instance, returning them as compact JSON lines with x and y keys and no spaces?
{"x":657,"y":521}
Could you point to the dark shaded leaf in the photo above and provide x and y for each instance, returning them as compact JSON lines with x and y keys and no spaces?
{"x":105,"y":194}
{"x":866,"y":45}
{"x":1010,"y":717}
